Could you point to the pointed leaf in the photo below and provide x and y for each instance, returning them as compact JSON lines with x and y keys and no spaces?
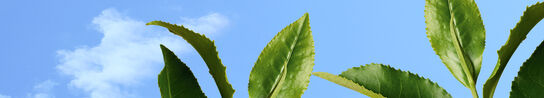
{"x":530,"y":80}
{"x":348,"y":84}
{"x":457,"y":35}
{"x":206,"y":48}
{"x":530,"y":18}
{"x":383,"y":80}
{"x":176,"y":79}
{"x":284,"y":66}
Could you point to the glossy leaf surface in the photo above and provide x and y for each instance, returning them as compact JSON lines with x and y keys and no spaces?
{"x":393,"y":83}
{"x":530,"y":80}
{"x":207,"y":50}
{"x":457,"y":35}
{"x":284,"y":66}
{"x":176,"y":80}
{"x":530,"y":18}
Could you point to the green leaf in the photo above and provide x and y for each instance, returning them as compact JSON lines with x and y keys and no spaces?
{"x":530,"y":80}
{"x":348,"y":84}
{"x":457,"y":35}
{"x":530,"y":18}
{"x":284,"y":66}
{"x":375,"y":80}
{"x":207,"y":50}
{"x":176,"y":79}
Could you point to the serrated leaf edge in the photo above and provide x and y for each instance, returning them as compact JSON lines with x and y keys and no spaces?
{"x":410,"y":73}
{"x":498,"y":70}
{"x":223,"y":67}
{"x":362,"y":90}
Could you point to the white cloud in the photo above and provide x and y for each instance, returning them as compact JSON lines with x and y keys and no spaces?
{"x":43,"y":90}
{"x":45,"y":86}
{"x":128,"y":54}
{"x":43,"y":95}
{"x":211,"y":23}
{"x":4,"y":96}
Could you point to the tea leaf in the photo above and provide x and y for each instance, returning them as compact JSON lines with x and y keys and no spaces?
{"x":378,"y":80}
{"x":530,"y":18}
{"x":176,"y":79}
{"x":530,"y":80}
{"x":457,"y":35}
{"x":207,"y":50}
{"x":347,"y":83}
{"x":284,"y":66}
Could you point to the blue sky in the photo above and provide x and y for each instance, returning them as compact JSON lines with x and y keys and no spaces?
{"x":102,"y":49}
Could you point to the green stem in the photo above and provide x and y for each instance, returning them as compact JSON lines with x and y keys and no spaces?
{"x":474,"y":92}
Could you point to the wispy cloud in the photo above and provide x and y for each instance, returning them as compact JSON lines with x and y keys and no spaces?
{"x":211,"y":23}
{"x":127,"y":54}
{"x":4,"y":96}
{"x":43,"y":89}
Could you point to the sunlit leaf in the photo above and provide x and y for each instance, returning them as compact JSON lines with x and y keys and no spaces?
{"x":347,"y":83}
{"x":284,"y":66}
{"x":457,"y":35}
{"x":378,"y":80}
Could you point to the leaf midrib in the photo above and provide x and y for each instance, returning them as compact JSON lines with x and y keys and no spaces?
{"x":169,"y":85}
{"x":459,"y":48}
{"x":284,"y":69}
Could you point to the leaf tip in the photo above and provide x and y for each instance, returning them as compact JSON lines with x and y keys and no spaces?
{"x":153,"y":22}
{"x":163,"y":47}
{"x":305,"y":17}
